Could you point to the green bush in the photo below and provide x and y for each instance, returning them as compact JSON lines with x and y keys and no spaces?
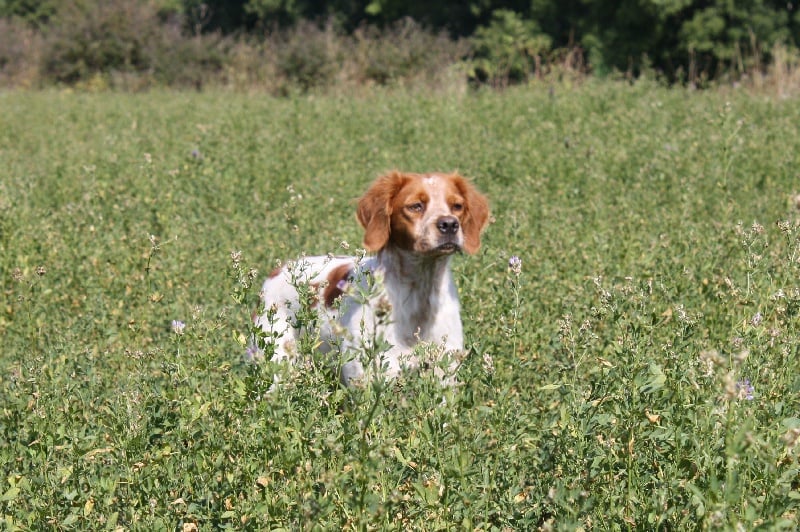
{"x":507,"y":51}
{"x":730,"y":37}
{"x":180,"y":61}
{"x":20,"y":47}
{"x":404,"y":50}
{"x":35,"y":13}
{"x":128,"y":45}
{"x":95,"y":37}
{"x":681,"y":39}
{"x":308,"y":57}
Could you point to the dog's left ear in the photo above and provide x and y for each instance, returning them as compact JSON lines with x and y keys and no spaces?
{"x":375,"y":210}
{"x":476,"y":214}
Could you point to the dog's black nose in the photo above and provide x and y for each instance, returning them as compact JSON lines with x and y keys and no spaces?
{"x":447,"y":225}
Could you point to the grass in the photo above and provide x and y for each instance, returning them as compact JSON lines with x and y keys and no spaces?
{"x":641,"y":371}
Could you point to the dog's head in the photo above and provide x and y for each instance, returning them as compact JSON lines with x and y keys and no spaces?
{"x":427,"y":214}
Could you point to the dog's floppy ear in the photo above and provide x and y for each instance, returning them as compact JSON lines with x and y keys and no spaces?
{"x":476,"y":214}
{"x":375,"y":210}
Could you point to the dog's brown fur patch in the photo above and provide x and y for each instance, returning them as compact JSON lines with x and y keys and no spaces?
{"x":333,"y":290}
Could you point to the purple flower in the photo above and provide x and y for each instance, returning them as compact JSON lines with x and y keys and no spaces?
{"x":178,"y":327}
{"x":745,"y":390}
{"x":515,"y":264}
{"x":253,"y":353}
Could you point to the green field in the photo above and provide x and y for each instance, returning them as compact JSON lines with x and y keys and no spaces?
{"x":640,"y":373}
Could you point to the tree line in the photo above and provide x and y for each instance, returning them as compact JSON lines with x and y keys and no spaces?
{"x":680,"y":39}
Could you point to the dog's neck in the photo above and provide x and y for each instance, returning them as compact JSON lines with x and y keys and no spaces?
{"x":416,"y":286}
{"x":420,"y":273}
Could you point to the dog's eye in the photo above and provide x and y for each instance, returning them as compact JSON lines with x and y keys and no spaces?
{"x":457,"y":207}
{"x":416,"y":207}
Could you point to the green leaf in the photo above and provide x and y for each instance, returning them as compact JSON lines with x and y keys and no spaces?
{"x":10,"y":494}
{"x":656,"y":381}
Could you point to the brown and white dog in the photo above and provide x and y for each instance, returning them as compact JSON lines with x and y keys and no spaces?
{"x":414,"y":223}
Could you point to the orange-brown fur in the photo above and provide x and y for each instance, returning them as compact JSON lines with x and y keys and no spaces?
{"x":383,"y":214}
{"x":333,"y":289}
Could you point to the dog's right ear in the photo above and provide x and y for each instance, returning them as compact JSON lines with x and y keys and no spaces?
{"x":375,"y":210}
{"x":476,"y":213}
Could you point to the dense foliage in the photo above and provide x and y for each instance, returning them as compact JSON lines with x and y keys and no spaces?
{"x":682,"y":39}
{"x":636,"y":367}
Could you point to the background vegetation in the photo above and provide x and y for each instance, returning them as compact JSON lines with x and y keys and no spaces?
{"x":641,"y":371}
{"x":280,"y":46}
